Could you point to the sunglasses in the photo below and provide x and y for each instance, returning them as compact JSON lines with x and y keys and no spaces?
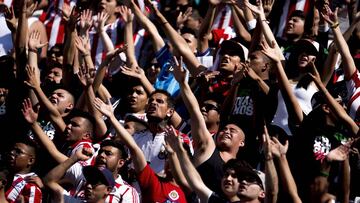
{"x":250,"y":180}
{"x":209,"y":107}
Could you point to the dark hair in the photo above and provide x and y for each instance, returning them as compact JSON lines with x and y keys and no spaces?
{"x":170,"y":101}
{"x":297,"y":13}
{"x":117,"y":144}
{"x":188,"y":30}
{"x":82,"y":114}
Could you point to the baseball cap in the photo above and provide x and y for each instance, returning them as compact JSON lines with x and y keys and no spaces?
{"x":95,"y":175}
{"x":308,"y":46}
{"x":232,"y":48}
{"x":252,"y":176}
{"x":319,"y":98}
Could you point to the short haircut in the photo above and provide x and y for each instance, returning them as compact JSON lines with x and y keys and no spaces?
{"x":170,"y":101}
{"x":85,"y":115}
{"x":117,"y":144}
{"x":31,"y":144}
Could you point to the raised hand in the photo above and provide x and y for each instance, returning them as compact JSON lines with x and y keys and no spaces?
{"x":86,"y":76}
{"x":126,"y":14}
{"x":269,"y":51}
{"x":28,"y":112}
{"x":340,"y":153}
{"x":30,"y":9}
{"x":83,"y":45}
{"x":258,"y":10}
{"x":11,"y":20}
{"x":100,"y":21}
{"x":267,"y":5}
{"x":32,"y":80}
{"x":172,"y":139}
{"x":267,"y":144}
{"x":183,"y":17}
{"x":66,"y":11}
{"x":105,"y":109}
{"x":136,"y":72}
{"x":277,"y":148}
{"x":181,"y":75}
{"x":329,"y":16}
{"x":314,"y":73}
{"x":73,"y":19}
{"x":113,"y":54}
{"x":85,"y":21}
{"x":83,"y":154}
{"x":249,"y":72}
{"x":34,"y":41}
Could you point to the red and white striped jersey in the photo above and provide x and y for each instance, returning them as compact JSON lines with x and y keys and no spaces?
{"x":122,"y":193}
{"x":30,"y":191}
{"x":353,"y":89}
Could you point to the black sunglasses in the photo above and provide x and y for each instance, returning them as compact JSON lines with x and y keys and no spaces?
{"x":209,"y":107}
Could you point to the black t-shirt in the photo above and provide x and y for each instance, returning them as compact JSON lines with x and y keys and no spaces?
{"x":215,"y":198}
{"x":211,"y":172}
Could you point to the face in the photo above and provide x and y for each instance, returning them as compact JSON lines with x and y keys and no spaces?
{"x":54,"y":75}
{"x":193,"y":23}
{"x":132,"y":127}
{"x":21,"y":157}
{"x":3,"y":94}
{"x":304,"y":60}
{"x":62,"y":100}
{"x":191,"y":41}
{"x":229,"y":63}
{"x":210,"y":111}
{"x":137,"y":99}
{"x":295,"y":26}
{"x":110,"y":158}
{"x":56,"y":55}
{"x":158,"y":108}
{"x":250,"y":190}
{"x":230,"y":136}
{"x":109,"y":6}
{"x":257,"y":63}
{"x":152,"y":72}
{"x":95,"y":192}
{"x":230,"y":183}
{"x":77,"y":130}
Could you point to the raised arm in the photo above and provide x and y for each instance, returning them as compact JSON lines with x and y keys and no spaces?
{"x":292,"y":105}
{"x":205,"y":28}
{"x":137,"y":155}
{"x":203,"y":141}
{"x":178,"y":42}
{"x":51,"y":180}
{"x":238,"y":25}
{"x":128,"y":36}
{"x":335,"y":107}
{"x":34,"y":83}
{"x":271,"y":177}
{"x":288,"y":183}
{"x":31,"y":116}
{"x":191,"y":174}
{"x":155,"y":37}
{"x":100,"y":28}
{"x":348,"y":62}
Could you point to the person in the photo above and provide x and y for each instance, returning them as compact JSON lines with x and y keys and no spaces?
{"x":153,"y":187}
{"x":113,"y":156}
{"x":239,"y":183}
{"x":21,"y":161}
{"x":99,"y":181}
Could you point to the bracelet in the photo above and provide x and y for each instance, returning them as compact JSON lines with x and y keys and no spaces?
{"x":335,"y":25}
{"x":164,"y":23}
{"x":324,"y":174}
{"x":266,"y":21}
{"x":33,"y":50}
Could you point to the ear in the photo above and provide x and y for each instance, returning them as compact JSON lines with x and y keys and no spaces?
{"x":117,"y":9}
{"x":31,"y":161}
{"x":242,"y":143}
{"x":325,"y":108}
{"x":120,"y":163}
{"x":170,"y":112}
{"x":262,"y":194}
{"x":69,"y":107}
{"x":86,"y":136}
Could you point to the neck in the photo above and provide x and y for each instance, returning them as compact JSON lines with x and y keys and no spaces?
{"x":23,"y":171}
{"x":227,"y":155}
{"x":111,"y":19}
{"x":233,"y":198}
{"x":157,"y":127}
{"x":213,"y":127}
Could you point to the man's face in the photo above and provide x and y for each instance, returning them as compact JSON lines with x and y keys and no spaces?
{"x":108,"y":6}
{"x":304,"y":60}
{"x":295,"y":26}
{"x":210,"y":111}
{"x":157,"y":107}
{"x":250,"y":190}
{"x":76,"y":130}
{"x":137,"y":99}
{"x":109,"y":157}
{"x":96,"y":191}
{"x":191,"y":41}
{"x":230,"y":136}
{"x":20,"y":157}
{"x":229,"y":63}
{"x":230,"y":183}
{"x":61,"y":99}
{"x":256,"y":62}
{"x":54,"y":75}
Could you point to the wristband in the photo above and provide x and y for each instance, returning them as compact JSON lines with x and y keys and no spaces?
{"x":324,"y":174}
{"x":335,"y":25}
{"x":33,"y":50}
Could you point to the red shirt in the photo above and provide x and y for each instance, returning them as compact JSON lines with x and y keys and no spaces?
{"x":155,"y":189}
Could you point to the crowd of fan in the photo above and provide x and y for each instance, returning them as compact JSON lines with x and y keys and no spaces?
{"x":179,"y":101}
